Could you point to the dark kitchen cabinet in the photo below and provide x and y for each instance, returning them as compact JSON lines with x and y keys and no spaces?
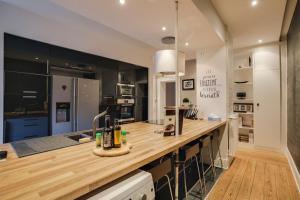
{"x":25,"y":93}
{"x":126,"y":74}
{"x":25,"y":128}
{"x":25,"y":55}
{"x":26,"y":77}
{"x":28,"y":66}
{"x":68,"y":62}
{"x":141,"y":99}
{"x":109,"y":80}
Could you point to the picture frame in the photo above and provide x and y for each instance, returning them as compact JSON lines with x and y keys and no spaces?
{"x":188,"y":84}
{"x":243,"y":107}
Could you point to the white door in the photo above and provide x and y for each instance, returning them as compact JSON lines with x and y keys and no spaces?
{"x":267,"y":107}
{"x":87,"y":103}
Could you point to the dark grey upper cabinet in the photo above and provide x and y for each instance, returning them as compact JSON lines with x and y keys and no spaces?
{"x":126,"y":73}
{"x":109,"y":79}
{"x":25,"y":55}
{"x":65,"y":61}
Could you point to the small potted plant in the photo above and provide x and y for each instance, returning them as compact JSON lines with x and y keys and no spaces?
{"x":185,"y":101}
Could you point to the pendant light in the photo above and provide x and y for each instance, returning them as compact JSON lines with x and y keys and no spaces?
{"x":165,"y":62}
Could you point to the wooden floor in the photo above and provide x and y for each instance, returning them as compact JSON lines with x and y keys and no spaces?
{"x":256,"y":174}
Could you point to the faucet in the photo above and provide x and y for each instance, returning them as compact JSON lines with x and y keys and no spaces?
{"x":95,"y":121}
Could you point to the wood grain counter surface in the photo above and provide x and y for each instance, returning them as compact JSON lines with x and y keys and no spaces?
{"x":74,"y":171}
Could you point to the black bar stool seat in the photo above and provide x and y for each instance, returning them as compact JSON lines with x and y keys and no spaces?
{"x":162,"y":170}
{"x":186,"y":153}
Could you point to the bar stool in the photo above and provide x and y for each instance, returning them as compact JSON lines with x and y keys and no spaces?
{"x":186,"y":153}
{"x":216,"y":135}
{"x":162,"y":170}
{"x":206,"y":142}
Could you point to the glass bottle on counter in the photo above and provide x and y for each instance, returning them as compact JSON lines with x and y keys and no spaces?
{"x":124,"y":139}
{"x":117,"y":134}
{"x":107,"y":134}
{"x":98,"y":139}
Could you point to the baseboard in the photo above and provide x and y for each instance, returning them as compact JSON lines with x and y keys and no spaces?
{"x":293,"y":168}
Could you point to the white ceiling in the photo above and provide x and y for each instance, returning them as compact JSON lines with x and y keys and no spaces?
{"x":143,"y":20}
{"x":248,"y":24}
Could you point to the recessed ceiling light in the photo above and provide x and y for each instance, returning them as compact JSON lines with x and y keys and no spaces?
{"x":36,"y":58}
{"x":122,"y":2}
{"x":254,"y":3}
{"x":186,"y":44}
{"x":163,"y":28}
{"x":260,"y":41}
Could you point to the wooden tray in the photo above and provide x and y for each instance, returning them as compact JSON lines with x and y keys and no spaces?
{"x":125,"y":149}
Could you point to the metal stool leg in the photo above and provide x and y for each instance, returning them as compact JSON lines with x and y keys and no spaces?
{"x":200,"y":181}
{"x":170,"y":188}
{"x":203,"y":173}
{"x":184,"y":177}
{"x":211,"y":159}
{"x":218,"y":141}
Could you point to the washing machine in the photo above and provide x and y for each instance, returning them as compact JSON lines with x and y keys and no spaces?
{"x":137,"y":185}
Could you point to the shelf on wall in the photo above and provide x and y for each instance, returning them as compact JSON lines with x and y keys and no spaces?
{"x":245,"y":127}
{"x":242,"y":100}
{"x":248,"y":83}
{"x":243,"y":68}
{"x":245,"y":113}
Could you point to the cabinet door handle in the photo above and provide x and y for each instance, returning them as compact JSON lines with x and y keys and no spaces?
{"x":28,"y":125}
{"x":257,"y":104}
{"x":30,"y":136}
{"x":32,"y":119}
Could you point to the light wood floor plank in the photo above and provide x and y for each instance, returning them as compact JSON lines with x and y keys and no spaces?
{"x":226,"y":178}
{"x":235,"y":184}
{"x":270,"y":192}
{"x":282,"y":184}
{"x":292,"y":184}
{"x":257,"y":192}
{"x":256,"y":175}
{"x":246,"y":187}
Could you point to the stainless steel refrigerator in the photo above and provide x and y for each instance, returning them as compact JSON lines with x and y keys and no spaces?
{"x":75,"y":102}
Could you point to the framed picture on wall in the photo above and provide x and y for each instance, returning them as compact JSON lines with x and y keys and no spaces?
{"x":188,"y":84}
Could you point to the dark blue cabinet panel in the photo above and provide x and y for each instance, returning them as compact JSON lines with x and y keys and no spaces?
{"x":26,"y":128}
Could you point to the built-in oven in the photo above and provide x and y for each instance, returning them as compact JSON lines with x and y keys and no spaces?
{"x":125,"y":90}
{"x":125,"y":110}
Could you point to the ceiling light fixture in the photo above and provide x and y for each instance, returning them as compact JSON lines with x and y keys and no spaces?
{"x":254,"y":3}
{"x":186,"y":44}
{"x":36,"y":58}
{"x":122,"y":2}
{"x":163,"y":28}
{"x":260,"y":41}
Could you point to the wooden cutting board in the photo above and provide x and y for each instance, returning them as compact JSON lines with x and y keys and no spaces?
{"x":125,"y":149}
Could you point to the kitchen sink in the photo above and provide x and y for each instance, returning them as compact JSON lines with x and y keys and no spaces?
{"x":80,"y":137}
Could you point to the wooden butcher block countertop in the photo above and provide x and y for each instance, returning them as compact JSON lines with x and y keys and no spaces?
{"x":71,"y":172}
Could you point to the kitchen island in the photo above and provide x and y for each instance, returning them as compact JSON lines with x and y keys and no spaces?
{"x":71,"y":172}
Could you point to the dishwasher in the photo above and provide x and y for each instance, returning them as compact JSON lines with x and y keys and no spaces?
{"x":137,"y":185}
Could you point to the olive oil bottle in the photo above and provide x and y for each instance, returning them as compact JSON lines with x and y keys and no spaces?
{"x":117,"y":134}
{"x":107,"y":134}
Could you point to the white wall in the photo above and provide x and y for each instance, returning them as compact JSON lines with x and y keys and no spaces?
{"x":212,"y":65}
{"x":283,"y":51}
{"x":190,"y":73}
{"x":75,"y":33}
{"x":269,"y":47}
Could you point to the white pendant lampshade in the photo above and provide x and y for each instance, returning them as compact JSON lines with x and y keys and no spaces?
{"x":165,"y":62}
